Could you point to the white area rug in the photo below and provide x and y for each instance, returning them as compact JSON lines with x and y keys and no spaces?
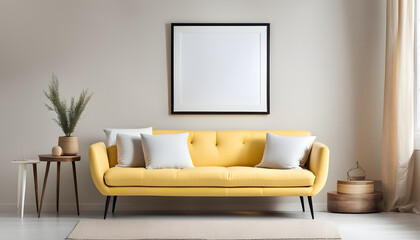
{"x":204,"y":229}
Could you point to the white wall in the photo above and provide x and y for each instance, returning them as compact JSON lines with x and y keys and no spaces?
{"x":327,"y":74}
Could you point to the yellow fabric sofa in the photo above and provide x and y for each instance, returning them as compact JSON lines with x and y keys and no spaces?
{"x":224,"y":166}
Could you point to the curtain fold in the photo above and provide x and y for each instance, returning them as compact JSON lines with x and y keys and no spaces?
{"x":397,"y":134}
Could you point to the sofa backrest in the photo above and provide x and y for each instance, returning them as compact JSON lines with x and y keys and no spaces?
{"x":223,"y":148}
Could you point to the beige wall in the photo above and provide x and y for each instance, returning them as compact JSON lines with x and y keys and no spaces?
{"x":327,"y":72}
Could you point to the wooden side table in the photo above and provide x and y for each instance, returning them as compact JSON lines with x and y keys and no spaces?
{"x":58,"y":159}
{"x":22,"y":183}
{"x":355,"y":197}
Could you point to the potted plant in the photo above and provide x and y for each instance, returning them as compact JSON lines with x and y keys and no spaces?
{"x":67,"y":116}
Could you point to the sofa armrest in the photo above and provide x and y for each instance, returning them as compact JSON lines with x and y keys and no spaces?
{"x":98,"y":162}
{"x":318,"y":165}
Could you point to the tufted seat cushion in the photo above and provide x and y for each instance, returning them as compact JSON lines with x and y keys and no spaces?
{"x":209,"y":177}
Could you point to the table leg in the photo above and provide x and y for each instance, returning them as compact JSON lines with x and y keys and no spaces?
{"x":23,"y":188}
{"x":34,"y":168}
{"x":75,"y":185}
{"x":58,"y":183}
{"x":43,"y":188}
{"x":19,"y":191}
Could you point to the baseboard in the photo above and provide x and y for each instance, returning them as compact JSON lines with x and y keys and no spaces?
{"x":69,"y":207}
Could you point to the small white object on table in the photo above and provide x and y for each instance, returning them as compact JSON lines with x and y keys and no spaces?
{"x":22,"y":183}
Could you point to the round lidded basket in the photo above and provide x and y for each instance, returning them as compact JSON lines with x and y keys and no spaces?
{"x":355,"y":203}
{"x":355,"y":187}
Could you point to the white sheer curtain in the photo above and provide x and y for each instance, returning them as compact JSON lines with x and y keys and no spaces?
{"x":397,"y":135}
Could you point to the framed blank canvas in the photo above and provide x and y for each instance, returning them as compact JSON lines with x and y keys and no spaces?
{"x":220,"y":68}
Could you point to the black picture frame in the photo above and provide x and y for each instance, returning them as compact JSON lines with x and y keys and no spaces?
{"x":267,"y":110}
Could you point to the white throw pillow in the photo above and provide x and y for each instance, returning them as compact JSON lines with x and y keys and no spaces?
{"x":130,"y":151}
{"x":166,"y":151}
{"x":111,"y":133}
{"x":286,"y":152}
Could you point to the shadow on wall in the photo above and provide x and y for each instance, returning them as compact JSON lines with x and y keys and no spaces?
{"x":168,"y":63}
{"x":211,"y":204}
{"x":367,"y":110}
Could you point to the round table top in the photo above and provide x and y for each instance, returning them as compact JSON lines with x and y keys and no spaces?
{"x":26,"y":161}
{"x":52,"y":158}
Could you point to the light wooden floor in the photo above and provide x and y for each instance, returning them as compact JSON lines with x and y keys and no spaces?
{"x":400,"y":226}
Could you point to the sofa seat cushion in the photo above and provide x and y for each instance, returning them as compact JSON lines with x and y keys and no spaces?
{"x":209,"y":177}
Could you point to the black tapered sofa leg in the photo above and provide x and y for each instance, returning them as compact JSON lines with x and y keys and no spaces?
{"x":311,"y":207}
{"x":114,"y":201}
{"x":302,"y":202}
{"x":106,"y":205}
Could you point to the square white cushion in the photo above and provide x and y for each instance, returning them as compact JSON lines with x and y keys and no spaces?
{"x":166,"y":151}
{"x":286,"y":152}
{"x":111,"y":133}
{"x":130,"y":151}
